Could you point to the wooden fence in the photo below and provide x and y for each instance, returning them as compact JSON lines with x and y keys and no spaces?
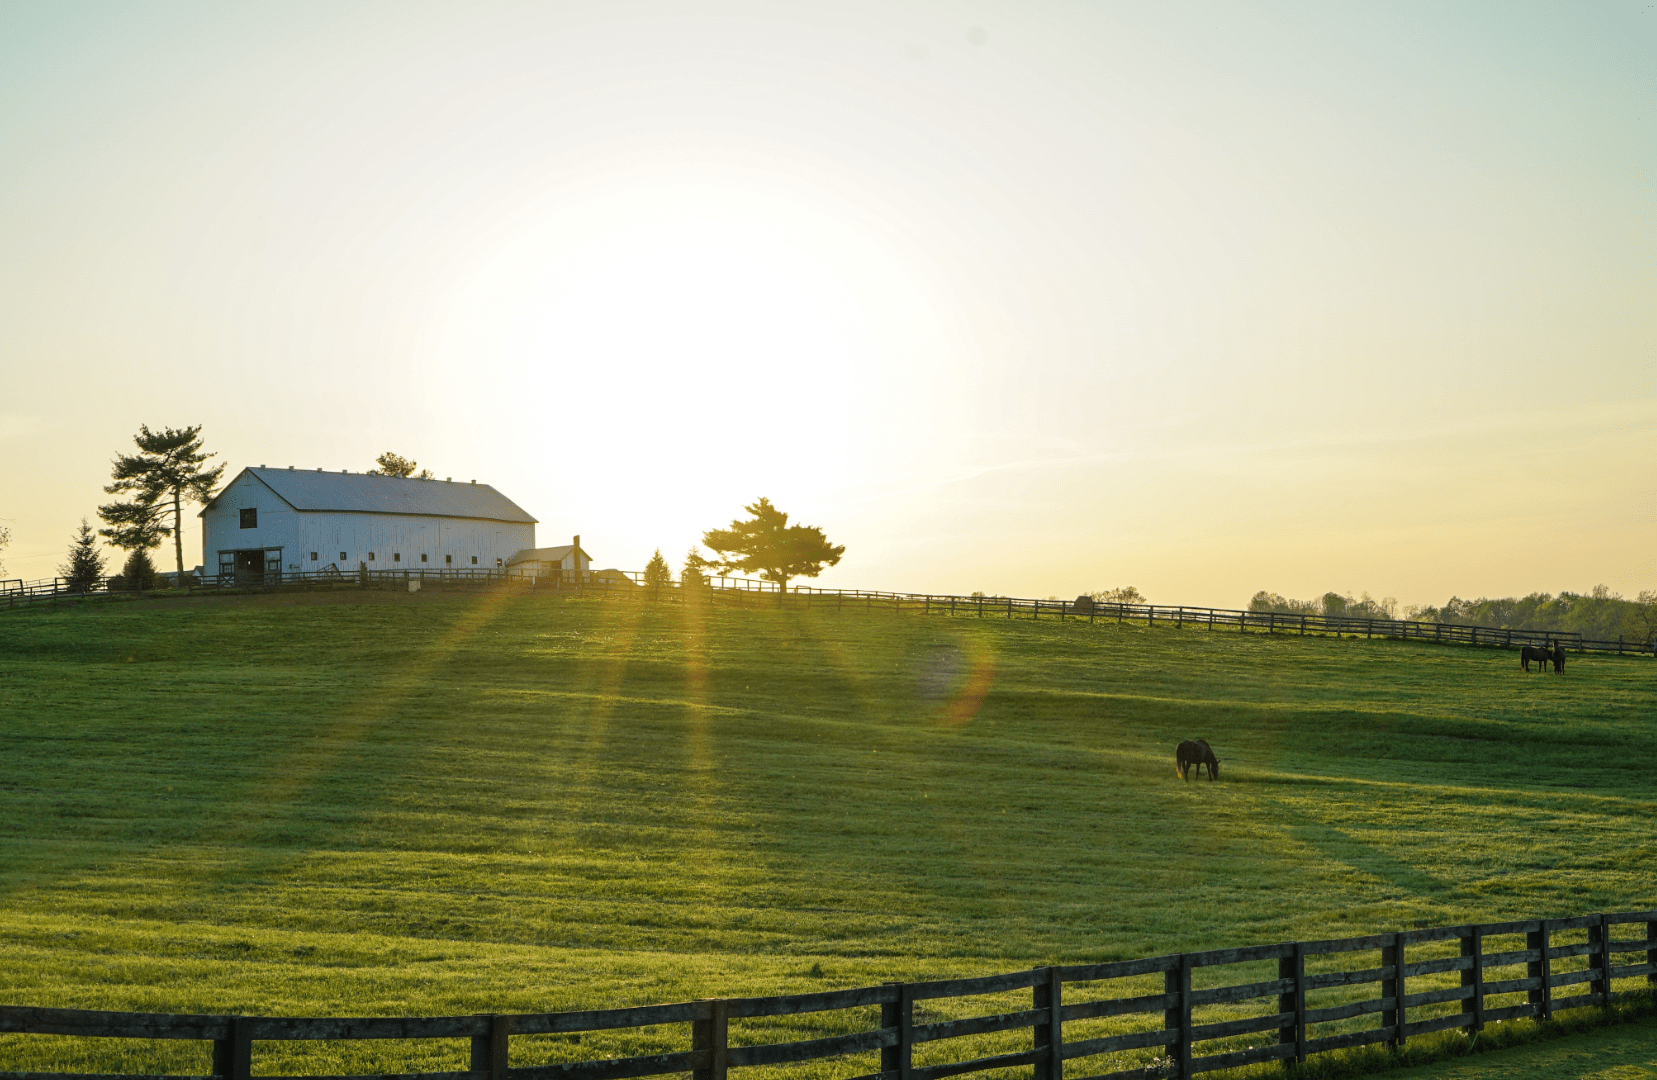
{"x":748,"y":590}
{"x":1373,"y":1003}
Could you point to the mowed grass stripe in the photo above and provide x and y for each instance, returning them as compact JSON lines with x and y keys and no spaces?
{"x":296,"y":804}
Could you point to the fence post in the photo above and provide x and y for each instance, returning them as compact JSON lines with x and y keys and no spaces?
{"x":710,"y":1034}
{"x":1293,"y":1000}
{"x":1600,"y":932}
{"x":233,"y":1056}
{"x":1049,"y":1031}
{"x":489,"y":1049}
{"x":1392,"y":959}
{"x":1541,"y":970}
{"x":1651,"y":954}
{"x":1473,"y":1007}
{"x":898,"y":1014}
{"x":1177,"y":981}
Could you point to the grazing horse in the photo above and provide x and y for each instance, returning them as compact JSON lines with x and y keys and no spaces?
{"x":1542,"y":654}
{"x":1197,"y":753}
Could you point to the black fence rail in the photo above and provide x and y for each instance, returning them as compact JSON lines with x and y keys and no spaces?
{"x":749,"y":590}
{"x":1367,"y":989}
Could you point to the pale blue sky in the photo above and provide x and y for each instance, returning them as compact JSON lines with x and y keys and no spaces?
{"x":1031,"y":298}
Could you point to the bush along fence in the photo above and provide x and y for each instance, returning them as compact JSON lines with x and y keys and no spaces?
{"x":736,"y":590}
{"x":1410,"y":983}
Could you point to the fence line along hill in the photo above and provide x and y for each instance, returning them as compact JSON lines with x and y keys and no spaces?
{"x":734,"y":590}
{"x":1498,"y":972}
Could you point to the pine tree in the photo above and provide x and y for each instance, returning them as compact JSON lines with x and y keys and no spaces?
{"x":85,"y":568}
{"x":657,"y":573}
{"x":139,"y":571}
{"x":391,"y":464}
{"x":167,"y":468}
{"x":695,"y":572}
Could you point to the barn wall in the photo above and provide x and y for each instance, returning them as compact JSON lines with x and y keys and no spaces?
{"x":221,"y":523}
{"x":387,"y":536}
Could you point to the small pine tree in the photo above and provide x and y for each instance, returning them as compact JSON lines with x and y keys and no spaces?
{"x":657,"y":573}
{"x":695,"y":572}
{"x":139,"y":571}
{"x":85,"y":567}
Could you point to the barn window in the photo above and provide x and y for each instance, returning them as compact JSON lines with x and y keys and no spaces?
{"x":250,"y":518}
{"x":474,"y":560}
{"x":497,"y":562}
{"x":422,"y":558}
{"x":370,"y":556}
{"x":342,"y":556}
{"x":396,"y":556}
{"x":448,"y":558}
{"x":313,"y":556}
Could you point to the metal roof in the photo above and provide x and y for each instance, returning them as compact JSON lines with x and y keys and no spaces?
{"x":360,"y":493}
{"x":546,"y":554}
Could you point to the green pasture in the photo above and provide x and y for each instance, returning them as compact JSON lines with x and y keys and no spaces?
{"x":381,"y":803}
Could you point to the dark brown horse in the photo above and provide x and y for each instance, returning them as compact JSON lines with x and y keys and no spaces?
{"x":1543,"y":655}
{"x":1197,"y":753}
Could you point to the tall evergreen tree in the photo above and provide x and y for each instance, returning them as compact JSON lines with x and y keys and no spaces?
{"x":85,"y":567}
{"x":167,"y":468}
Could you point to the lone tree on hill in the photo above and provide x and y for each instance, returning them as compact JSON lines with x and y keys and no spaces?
{"x":85,"y":567}
{"x":391,"y":464}
{"x":767,"y":543}
{"x":168,"y":465}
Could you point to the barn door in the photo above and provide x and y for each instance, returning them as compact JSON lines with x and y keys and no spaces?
{"x":273,"y":566}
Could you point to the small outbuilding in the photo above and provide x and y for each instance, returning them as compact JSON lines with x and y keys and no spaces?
{"x":269,"y":522}
{"x":558,"y":564}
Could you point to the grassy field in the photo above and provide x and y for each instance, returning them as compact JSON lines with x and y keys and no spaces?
{"x":379,"y":803}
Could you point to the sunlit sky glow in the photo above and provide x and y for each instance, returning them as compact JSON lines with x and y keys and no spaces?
{"x":1029,"y":298}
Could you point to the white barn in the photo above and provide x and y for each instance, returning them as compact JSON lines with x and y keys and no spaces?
{"x":269,"y":522}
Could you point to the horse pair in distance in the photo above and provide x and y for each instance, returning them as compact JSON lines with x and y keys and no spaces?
{"x":1543,"y":656}
{"x":1197,"y":753}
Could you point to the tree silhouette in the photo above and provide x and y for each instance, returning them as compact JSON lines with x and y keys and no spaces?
{"x":167,"y":466}
{"x":694,"y":573}
{"x":396,"y":465}
{"x":85,"y":567}
{"x":657,"y":573}
{"x":768,"y":544}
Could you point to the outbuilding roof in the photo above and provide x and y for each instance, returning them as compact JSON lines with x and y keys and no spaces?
{"x":546,"y":554}
{"x":360,"y":493}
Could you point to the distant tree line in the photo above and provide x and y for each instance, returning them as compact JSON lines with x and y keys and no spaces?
{"x":1600,"y":615}
{"x":1332,"y":604}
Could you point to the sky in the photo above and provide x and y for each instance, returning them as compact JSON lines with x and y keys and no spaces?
{"x":1033,"y":298}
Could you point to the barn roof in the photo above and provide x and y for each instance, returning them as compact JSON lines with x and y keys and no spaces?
{"x":360,"y":493}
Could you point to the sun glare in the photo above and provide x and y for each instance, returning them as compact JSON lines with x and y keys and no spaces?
{"x":742,"y":336}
